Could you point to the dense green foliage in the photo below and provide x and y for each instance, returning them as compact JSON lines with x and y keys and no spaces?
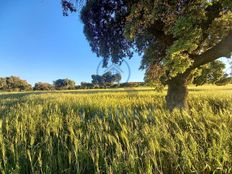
{"x":43,"y":86}
{"x":92,"y":132}
{"x":13,"y":83}
{"x":107,"y":79}
{"x":225,"y":80}
{"x":210,"y":73}
{"x":62,"y":84}
{"x":177,"y":36}
{"x":85,"y":85}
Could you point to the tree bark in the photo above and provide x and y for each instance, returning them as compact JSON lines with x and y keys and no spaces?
{"x":177,"y":93}
{"x":222,"y":49}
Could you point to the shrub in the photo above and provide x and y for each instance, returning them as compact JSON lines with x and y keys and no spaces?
{"x":64,"y":84}
{"x":85,"y":85}
{"x":43,"y":86}
{"x":14,"y":83}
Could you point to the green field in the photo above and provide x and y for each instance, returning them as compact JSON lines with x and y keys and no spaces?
{"x":115,"y":131}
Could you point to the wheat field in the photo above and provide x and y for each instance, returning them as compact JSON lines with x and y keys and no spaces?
{"x":115,"y":131}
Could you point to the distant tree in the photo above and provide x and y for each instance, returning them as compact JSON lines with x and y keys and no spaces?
{"x":63,"y":84}
{"x":43,"y":86}
{"x":210,"y":73}
{"x":226,"y":79}
{"x":132,"y":84}
{"x":86,"y":85}
{"x":14,"y":83}
{"x":97,"y":80}
{"x":117,"y":78}
{"x":107,"y":79}
{"x":3,"y":84}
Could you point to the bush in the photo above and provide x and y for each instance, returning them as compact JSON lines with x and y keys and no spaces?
{"x":43,"y":86}
{"x":85,"y":85}
{"x":13,"y":83}
{"x":62,"y":84}
{"x":132,"y":84}
{"x":3,"y":84}
{"x":224,"y":81}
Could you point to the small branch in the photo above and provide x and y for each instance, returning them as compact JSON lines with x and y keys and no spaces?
{"x":222,"y":49}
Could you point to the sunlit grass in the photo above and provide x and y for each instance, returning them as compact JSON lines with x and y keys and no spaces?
{"x":115,"y":131}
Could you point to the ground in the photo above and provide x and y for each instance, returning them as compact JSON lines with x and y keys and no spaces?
{"x":116,"y":131}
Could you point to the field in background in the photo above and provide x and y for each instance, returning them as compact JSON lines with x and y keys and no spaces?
{"x":115,"y":131}
{"x":192,"y":88}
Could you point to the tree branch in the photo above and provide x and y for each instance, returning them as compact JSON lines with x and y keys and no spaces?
{"x":222,"y":49}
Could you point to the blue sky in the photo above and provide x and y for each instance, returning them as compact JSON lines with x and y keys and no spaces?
{"x":38,"y":44}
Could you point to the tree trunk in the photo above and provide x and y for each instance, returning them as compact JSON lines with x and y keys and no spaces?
{"x":177,"y":87}
{"x":177,"y":93}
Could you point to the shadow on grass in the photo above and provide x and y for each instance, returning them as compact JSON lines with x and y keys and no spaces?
{"x":9,"y":95}
{"x":13,"y":95}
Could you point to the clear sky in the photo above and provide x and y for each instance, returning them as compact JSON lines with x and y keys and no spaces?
{"x":38,"y":44}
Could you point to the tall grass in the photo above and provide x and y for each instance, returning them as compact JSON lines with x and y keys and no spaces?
{"x":115,"y":132}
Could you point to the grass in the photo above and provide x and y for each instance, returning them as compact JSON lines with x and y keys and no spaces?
{"x":115,"y":131}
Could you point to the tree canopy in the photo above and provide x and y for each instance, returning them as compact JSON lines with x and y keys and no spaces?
{"x":174,"y":35}
{"x":62,"y":84}
{"x":14,"y":83}
{"x":40,"y":86}
{"x":106,"y":79}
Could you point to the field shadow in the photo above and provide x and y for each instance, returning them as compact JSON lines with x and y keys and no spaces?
{"x":19,"y":95}
{"x":216,"y":89}
{"x":88,"y":91}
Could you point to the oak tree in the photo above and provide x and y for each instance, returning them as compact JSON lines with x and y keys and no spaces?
{"x":40,"y":86}
{"x":177,"y":36}
{"x":64,"y":84}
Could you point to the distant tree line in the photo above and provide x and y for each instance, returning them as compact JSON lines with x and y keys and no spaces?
{"x":107,"y":80}
{"x":86,"y":85}
{"x":212,"y":73}
{"x":14,"y":83}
